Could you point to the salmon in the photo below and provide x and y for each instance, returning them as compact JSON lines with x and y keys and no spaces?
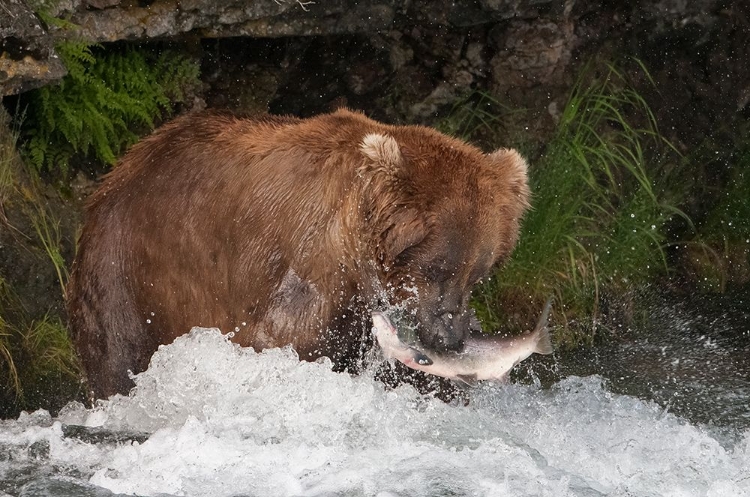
{"x":483,"y":357}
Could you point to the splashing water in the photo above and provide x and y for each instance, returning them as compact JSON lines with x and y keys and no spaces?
{"x":211,"y":418}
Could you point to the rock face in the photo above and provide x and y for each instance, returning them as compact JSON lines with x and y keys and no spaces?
{"x":532,"y":41}
{"x":205,"y":18}
{"x":28,"y":59}
{"x":27,"y":56}
{"x":402,"y":60}
{"x":111,"y":20}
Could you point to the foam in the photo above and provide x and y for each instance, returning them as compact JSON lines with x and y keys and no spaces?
{"x":222,"y":421}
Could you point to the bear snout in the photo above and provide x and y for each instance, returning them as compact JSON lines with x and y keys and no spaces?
{"x":447,"y":331}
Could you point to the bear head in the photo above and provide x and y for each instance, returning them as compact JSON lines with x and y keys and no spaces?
{"x":439,"y":215}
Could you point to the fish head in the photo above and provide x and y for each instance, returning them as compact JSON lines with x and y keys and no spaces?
{"x":382,"y":326}
{"x":387,"y":336}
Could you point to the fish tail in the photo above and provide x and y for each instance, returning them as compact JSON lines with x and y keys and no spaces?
{"x":544,"y":343}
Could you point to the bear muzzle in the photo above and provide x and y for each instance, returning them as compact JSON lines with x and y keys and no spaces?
{"x":447,"y":330}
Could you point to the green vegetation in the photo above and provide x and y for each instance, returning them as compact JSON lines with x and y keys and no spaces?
{"x":37,"y":362}
{"x":481,"y":118}
{"x":104,"y":101}
{"x":109,"y":97}
{"x":44,"y":10}
{"x":719,"y":255}
{"x":38,"y":366}
{"x":7,"y":364}
{"x":599,"y":213}
{"x":47,"y":230}
{"x":47,"y":340}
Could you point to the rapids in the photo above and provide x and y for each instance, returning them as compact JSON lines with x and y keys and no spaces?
{"x":209,"y":418}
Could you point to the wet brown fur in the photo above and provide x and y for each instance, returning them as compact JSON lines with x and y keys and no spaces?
{"x":287,"y":231}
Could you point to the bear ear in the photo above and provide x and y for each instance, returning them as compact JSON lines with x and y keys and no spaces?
{"x":398,"y":226}
{"x":515,"y":172}
{"x":383,"y":151}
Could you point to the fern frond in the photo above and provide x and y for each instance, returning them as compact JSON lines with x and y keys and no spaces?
{"x":102,"y":102}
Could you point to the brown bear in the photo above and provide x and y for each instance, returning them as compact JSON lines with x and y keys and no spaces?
{"x":287,"y":231}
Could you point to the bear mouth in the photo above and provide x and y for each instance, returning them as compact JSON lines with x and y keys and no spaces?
{"x":438,"y":333}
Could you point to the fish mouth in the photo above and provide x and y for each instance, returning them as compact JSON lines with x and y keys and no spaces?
{"x":380,"y":320}
{"x":403,"y":322}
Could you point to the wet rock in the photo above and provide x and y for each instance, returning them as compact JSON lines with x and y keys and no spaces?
{"x":532,"y":53}
{"x":98,"y":435}
{"x":363,"y":76}
{"x":27,"y":56}
{"x":462,"y":14}
{"x":102,"y":4}
{"x":230,"y":18}
{"x":39,"y":449}
{"x":52,"y":485}
{"x":28,"y":59}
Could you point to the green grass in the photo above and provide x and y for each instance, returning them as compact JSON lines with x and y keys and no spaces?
{"x":7,"y":179}
{"x":47,"y":340}
{"x":599,"y":213}
{"x":8,"y":369}
{"x":8,"y":141}
{"x":38,"y":366}
{"x":479,"y":117}
{"x":47,"y":230}
{"x":718,"y":257}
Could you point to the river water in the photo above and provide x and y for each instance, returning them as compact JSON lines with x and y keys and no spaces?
{"x":211,"y":419}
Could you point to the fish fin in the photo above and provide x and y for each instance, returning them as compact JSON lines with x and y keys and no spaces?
{"x":544,"y":344}
{"x":420,"y":358}
{"x":468,"y":379}
{"x":544,"y":318}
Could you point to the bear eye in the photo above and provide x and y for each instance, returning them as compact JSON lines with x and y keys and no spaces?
{"x":438,"y":273}
{"x":405,"y":257}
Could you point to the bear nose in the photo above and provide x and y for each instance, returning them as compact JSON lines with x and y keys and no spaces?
{"x":454,"y":326}
{"x":447,"y":318}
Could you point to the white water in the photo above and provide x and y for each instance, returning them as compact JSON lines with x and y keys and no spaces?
{"x":226,"y":421}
